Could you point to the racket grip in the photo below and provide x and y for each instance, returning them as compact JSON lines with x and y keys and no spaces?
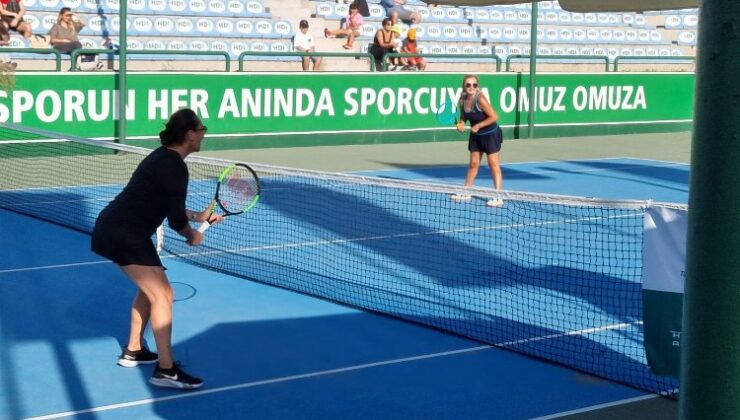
{"x":203,"y":226}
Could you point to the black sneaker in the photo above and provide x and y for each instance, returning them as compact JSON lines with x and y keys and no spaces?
{"x":174,"y":377}
{"x":135,"y":358}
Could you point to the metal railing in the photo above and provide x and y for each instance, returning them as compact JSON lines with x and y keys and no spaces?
{"x":494,"y":57}
{"x":82,"y":51}
{"x":652,"y":59}
{"x":581,"y":58}
{"x":44,"y":51}
{"x":356,"y":55}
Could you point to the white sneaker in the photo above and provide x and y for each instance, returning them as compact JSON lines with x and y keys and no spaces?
{"x":496,"y":202}
{"x":460,"y":197}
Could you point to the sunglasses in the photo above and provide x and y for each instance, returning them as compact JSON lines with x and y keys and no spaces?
{"x":203,"y":129}
{"x":467,"y":85}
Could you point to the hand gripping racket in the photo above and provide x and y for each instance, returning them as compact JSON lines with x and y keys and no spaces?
{"x":237,"y":191}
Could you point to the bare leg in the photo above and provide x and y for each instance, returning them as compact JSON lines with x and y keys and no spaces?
{"x":472,"y":168}
{"x":316,"y":63}
{"x":140,"y":313}
{"x":493,"y":163}
{"x":306,"y":63}
{"x":153,"y":283}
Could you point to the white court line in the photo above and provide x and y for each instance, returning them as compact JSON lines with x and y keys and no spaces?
{"x":319,"y":373}
{"x":597,"y":407}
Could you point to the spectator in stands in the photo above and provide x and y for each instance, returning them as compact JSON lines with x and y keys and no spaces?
{"x":303,"y":41}
{"x":410,"y":47}
{"x":382,"y":43}
{"x":11,"y":17}
{"x":396,"y":9}
{"x":485,"y":136}
{"x":63,"y":37}
{"x":397,"y":45}
{"x":351,"y":29}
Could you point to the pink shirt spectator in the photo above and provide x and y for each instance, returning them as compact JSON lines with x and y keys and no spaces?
{"x":354,"y":21}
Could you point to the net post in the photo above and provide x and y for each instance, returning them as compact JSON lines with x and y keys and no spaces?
{"x":710,"y":360}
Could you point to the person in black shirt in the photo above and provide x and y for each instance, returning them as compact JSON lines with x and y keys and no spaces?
{"x":123,"y":233}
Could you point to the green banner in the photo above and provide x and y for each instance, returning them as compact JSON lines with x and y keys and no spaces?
{"x":257,"y":104}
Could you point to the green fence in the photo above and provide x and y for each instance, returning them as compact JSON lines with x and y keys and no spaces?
{"x":560,"y":58}
{"x":245,"y":54}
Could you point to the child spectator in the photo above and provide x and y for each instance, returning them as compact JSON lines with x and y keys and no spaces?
{"x":410,"y":47}
{"x":303,"y":41}
{"x":397,"y":45}
{"x":351,"y":29}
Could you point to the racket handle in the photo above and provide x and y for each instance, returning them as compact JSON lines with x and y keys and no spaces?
{"x":203,"y":226}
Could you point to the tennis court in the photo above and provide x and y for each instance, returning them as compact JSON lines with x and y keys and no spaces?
{"x":267,"y":352}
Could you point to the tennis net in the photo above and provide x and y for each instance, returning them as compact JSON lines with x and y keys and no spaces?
{"x":555,"y":277}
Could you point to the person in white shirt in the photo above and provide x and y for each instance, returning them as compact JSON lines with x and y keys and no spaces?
{"x":303,"y":41}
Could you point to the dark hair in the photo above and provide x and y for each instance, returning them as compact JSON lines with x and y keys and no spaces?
{"x":354,"y":6}
{"x":182,"y":121}
{"x":303,"y":24}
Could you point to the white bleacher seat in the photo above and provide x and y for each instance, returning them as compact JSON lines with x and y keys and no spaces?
{"x":111,"y":5}
{"x":454,"y":14}
{"x":628,"y":19}
{"x":481,"y":14}
{"x":376,"y":12}
{"x":204,"y":26}
{"x":566,"y":35}
{"x":157,"y":6}
{"x":591,"y":19}
{"x":452,"y":49}
{"x":605,"y":35}
{"x":558,"y":50}
{"x":437,"y":14}
{"x":673,"y":22}
{"x":280,"y":46}
{"x":435,"y":49}
{"x":625,"y":51}
{"x":466,"y":33}
{"x":592,"y":35}
{"x":469,"y":49}
{"x":551,"y":35}
{"x":469,"y":13}
{"x":496,"y":16}
{"x":245,"y":27}
{"x":325,"y":10}
{"x":656,"y":37}
{"x":586,"y":51}
{"x":219,"y":45}
{"x":178,"y":7}
{"x":224,"y":27}
{"x":164,"y":26}
{"x":577,"y":18}
{"x":263,"y":28}
{"x":485,"y":49}
{"x":184,"y":26}
{"x":341,"y":11}
{"x":544,"y":51}
{"x":600,"y":51}
{"x":198,"y":45}
{"x":50,"y":4}
{"x":639,"y":52}
{"x":433,"y":31}
{"x":47,"y":21}
{"x":368,"y":30}
{"x":449,"y":33}
{"x":687,"y":38}
{"x":510,"y":16}
{"x":564,"y":18}
{"x":238,"y":47}
{"x":17,"y":42}
{"x":602,"y":19}
{"x":572,"y":51}
{"x":550,"y":17}
{"x":236,"y":8}
{"x":217,"y":8}
{"x":618,"y":35}
{"x":579,"y":35}
{"x":501,"y":51}
{"x":134,"y":44}
{"x":89,"y":43}
{"x":495,"y":33}
{"x":524,"y":16}
{"x":136,"y":7}
{"x":690,"y":21}
{"x":142,"y":25}
{"x":651,"y":51}
{"x":176,"y":45}
{"x":675,"y":52}
{"x":33,"y":21}
{"x":523,"y":33}
{"x":89,"y":6}
{"x":630,"y":36}
{"x":424,"y":13}
{"x":509,"y":33}
{"x":643,"y":35}
{"x":545,"y":5}
{"x":257,"y":9}
{"x":614,"y":19}
{"x":154,"y":45}
{"x":282,"y":29}
{"x":515,"y":50}
{"x":639,"y":20}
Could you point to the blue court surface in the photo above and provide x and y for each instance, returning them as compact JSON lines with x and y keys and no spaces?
{"x":269,"y":353}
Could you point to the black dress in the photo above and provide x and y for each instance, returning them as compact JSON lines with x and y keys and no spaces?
{"x":157,"y":189}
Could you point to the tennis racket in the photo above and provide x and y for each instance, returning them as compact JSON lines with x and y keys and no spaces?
{"x":447,"y":113}
{"x":237,"y":191}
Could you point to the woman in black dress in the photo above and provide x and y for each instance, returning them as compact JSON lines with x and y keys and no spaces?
{"x":123,"y":233}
